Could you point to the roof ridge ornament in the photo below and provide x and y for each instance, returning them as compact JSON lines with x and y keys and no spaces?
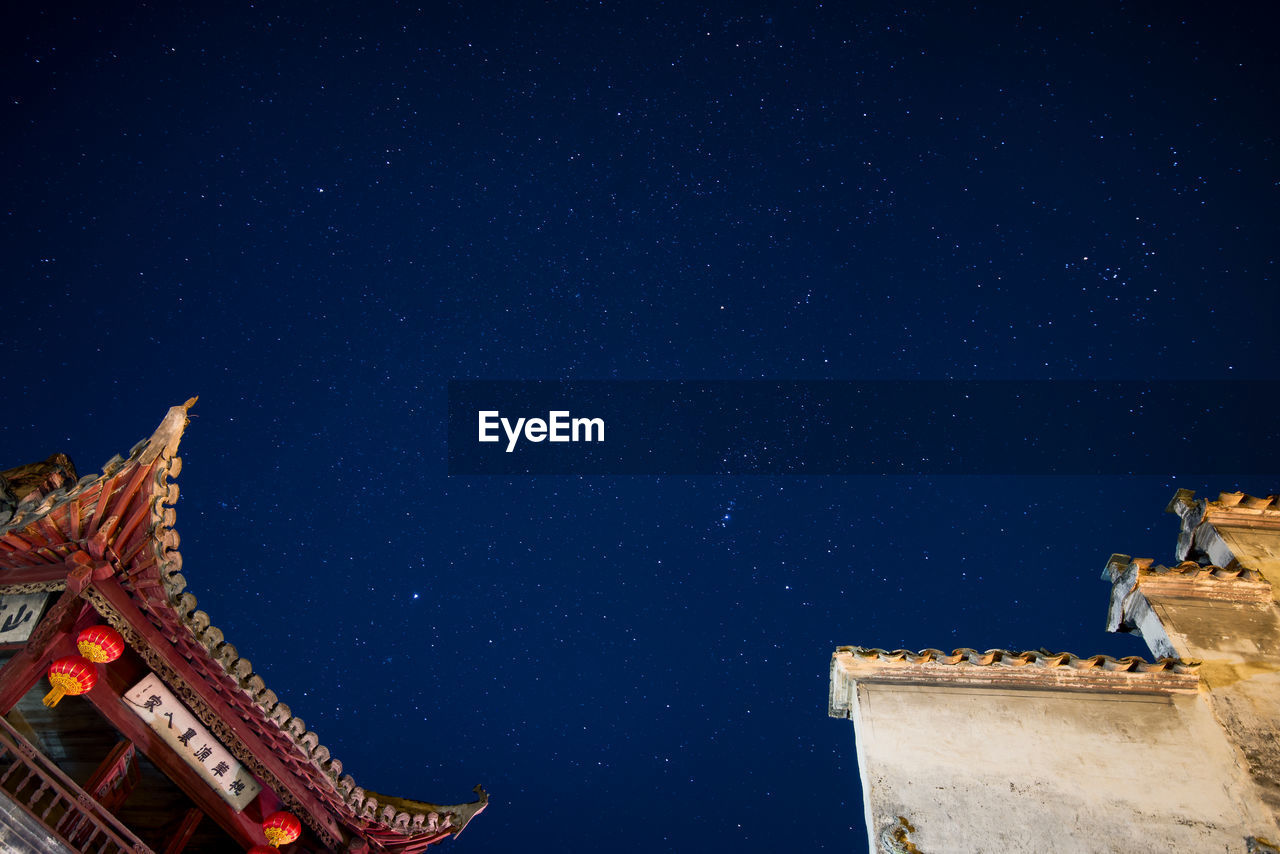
{"x":164,"y":441}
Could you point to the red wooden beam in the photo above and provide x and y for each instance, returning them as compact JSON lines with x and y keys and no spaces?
{"x":142,"y":511}
{"x":110,"y":785}
{"x":27,"y":540}
{"x":74,"y":518}
{"x":32,"y":574}
{"x":53,"y":533}
{"x":18,"y":551}
{"x":177,"y":841}
{"x":105,"y":697}
{"x":110,"y":590}
{"x":12,"y":542}
{"x":25,"y":669}
{"x":122,"y":503}
{"x":100,"y":509}
{"x":116,"y":776}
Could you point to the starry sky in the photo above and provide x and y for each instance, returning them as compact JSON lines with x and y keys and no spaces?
{"x":314,"y":216}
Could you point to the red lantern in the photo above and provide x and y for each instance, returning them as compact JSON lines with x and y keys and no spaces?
{"x":281,"y":828}
{"x":100,"y":644}
{"x":71,"y":674}
{"x":263,"y":849}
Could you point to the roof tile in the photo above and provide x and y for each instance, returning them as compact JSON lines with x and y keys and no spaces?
{"x":1008,"y":658}
{"x":159,"y":449}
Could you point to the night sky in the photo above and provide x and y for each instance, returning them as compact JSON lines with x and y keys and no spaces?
{"x":314,"y":216}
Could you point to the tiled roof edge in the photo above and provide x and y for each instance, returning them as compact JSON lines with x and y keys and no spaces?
{"x":1185,"y":503}
{"x":1244,"y":501}
{"x":1003,"y":658}
{"x":1190,"y":570}
{"x":160,"y":448}
{"x":1189,"y":579}
{"x":169,"y":563}
{"x":39,"y":503}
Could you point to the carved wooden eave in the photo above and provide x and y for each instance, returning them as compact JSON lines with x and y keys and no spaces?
{"x":1002,"y":668}
{"x":112,"y":537}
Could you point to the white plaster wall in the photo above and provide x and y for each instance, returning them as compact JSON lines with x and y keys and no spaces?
{"x":1255,"y":549}
{"x":1239,"y":645}
{"x":994,"y":770}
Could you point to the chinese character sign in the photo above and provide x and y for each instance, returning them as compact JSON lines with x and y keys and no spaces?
{"x":183,"y":732}
{"x":19,"y":613}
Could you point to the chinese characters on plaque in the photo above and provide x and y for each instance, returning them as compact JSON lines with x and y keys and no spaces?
{"x":156,"y":705}
{"x":19,"y":613}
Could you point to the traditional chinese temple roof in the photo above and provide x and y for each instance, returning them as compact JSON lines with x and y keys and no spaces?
{"x":111,"y":538}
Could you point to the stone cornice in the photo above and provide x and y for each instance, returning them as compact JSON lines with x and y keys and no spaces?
{"x":1040,"y":670}
{"x":1230,"y":509}
{"x":1187,"y":580}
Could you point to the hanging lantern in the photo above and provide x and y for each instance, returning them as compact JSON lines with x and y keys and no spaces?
{"x":263,"y":849}
{"x":100,"y":644}
{"x":71,"y":674}
{"x":281,"y":828}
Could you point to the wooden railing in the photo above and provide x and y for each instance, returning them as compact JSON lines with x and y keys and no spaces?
{"x":52,"y":798}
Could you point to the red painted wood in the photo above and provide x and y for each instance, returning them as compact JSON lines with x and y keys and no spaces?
{"x":41,"y":555}
{"x":104,"y":494}
{"x":34,"y":537}
{"x":177,"y":842}
{"x":97,"y":544}
{"x":121,"y":505}
{"x":130,"y":557}
{"x":12,"y":561}
{"x":279,"y":769}
{"x":54,"y":534}
{"x":26,"y":668}
{"x":106,"y":698}
{"x":16,"y":542}
{"x":143,"y":511}
{"x":33,"y":574}
{"x":116,"y":776}
{"x":110,"y":785}
{"x":286,"y":766}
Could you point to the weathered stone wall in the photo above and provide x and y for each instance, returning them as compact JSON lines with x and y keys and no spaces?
{"x":1006,"y":770}
{"x":1015,"y":752}
{"x":1238,"y":646}
{"x":1256,"y":549}
{"x":1238,"y":642}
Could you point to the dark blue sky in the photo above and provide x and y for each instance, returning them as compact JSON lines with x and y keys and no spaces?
{"x":314,"y":216}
